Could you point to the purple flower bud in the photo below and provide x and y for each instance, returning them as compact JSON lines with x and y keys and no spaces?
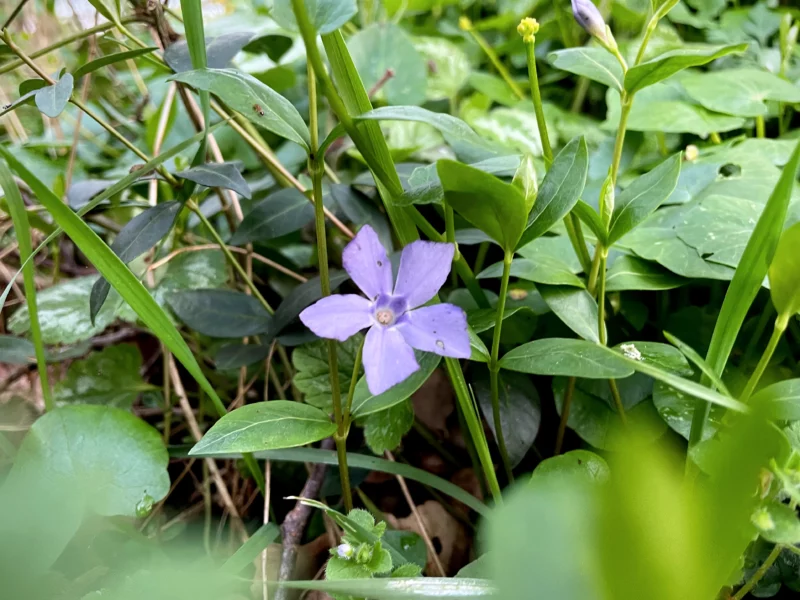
{"x":588,"y":17}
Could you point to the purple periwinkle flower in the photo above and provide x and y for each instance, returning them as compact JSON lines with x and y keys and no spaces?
{"x":396,"y":319}
{"x":588,"y":17}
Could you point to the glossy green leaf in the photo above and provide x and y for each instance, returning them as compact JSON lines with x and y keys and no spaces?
{"x":236,"y":355}
{"x":777,"y":523}
{"x":484,"y":319}
{"x":496,"y":208}
{"x":312,"y":376}
{"x":221,"y":313}
{"x":218,"y":175}
{"x":140,"y":234}
{"x":746,"y":91}
{"x":109,"y":377}
{"x":384,"y":430}
{"x":575,"y":307}
{"x":574,"y":465}
{"x":631,"y":273}
{"x":568,"y":357}
{"x":749,"y":276}
{"x":784,"y":273}
{"x":265,"y":426}
{"x":52,"y":99}
{"x":279,"y":213}
{"x":643,"y":196}
{"x":361,"y":210}
{"x":677,"y":409}
{"x":591,"y":219}
{"x":544,"y":269}
{"x":594,"y":63}
{"x":254,"y":100}
{"x":113,"y":458}
{"x":16,"y":350}
{"x":325,"y":15}
{"x":560,"y":190}
{"x":669,"y":63}
{"x":109,"y":59}
{"x":479,"y":351}
{"x":300,"y":297}
{"x":366,"y":403}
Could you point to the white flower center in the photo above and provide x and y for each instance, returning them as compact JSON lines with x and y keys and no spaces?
{"x":384,"y":317}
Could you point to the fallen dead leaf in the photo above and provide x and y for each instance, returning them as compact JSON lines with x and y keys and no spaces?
{"x":433,"y":403}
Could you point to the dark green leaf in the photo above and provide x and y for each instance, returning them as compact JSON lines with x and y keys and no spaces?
{"x":313,"y":376}
{"x":631,"y":273}
{"x":575,"y":307}
{"x":560,"y":356}
{"x":52,"y":99}
{"x":300,"y":297}
{"x":110,"y":59}
{"x":218,"y":175}
{"x":16,"y":350}
{"x":493,"y":87}
{"x":365,"y":403}
{"x":221,"y":313}
{"x":265,"y":426}
{"x":669,"y":63}
{"x":282,"y":212}
{"x":589,"y":216}
{"x":484,"y":319}
{"x":384,"y":430}
{"x":274,"y":46}
{"x":325,"y":15}
{"x":544,"y":269}
{"x":494,"y":207}
{"x":253,"y":99}
{"x":677,"y":409}
{"x":235,"y":355}
{"x":560,"y":190}
{"x":595,"y":63}
{"x":643,"y":196}
{"x":113,"y":458}
{"x":362,"y":211}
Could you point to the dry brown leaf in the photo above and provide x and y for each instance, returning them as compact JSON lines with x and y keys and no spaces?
{"x":433,"y":403}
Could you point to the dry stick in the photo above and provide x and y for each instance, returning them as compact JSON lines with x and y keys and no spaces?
{"x":422,"y":529}
{"x":212,"y":465}
{"x":295,"y":522}
{"x":161,"y":133}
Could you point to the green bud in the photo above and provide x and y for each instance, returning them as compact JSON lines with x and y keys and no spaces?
{"x":607,"y":200}
{"x":364,"y":554}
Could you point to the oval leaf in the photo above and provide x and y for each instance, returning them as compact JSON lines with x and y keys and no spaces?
{"x":784,"y":273}
{"x":221,"y":313}
{"x":218,"y":175}
{"x":280,"y":213}
{"x":597,"y":64}
{"x":52,"y":99}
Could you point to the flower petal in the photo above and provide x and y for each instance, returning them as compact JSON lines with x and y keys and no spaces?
{"x":388,"y":360}
{"x":424,"y":267}
{"x":365,"y":260}
{"x":338,"y":317}
{"x":441,"y":329}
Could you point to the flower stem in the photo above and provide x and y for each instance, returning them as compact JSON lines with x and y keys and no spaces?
{"x":777,"y":331}
{"x":760,"y":572}
{"x":760,"y":128}
{"x":570,"y":221}
{"x":494,"y":368}
{"x":317,"y":170}
{"x":495,"y":60}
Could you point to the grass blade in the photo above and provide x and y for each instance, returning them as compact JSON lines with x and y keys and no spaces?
{"x":19,"y":216}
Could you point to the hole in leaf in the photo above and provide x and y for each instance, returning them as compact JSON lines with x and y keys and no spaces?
{"x":730,"y":170}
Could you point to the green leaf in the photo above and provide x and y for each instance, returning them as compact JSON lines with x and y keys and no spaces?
{"x":113,"y":458}
{"x":273,"y":45}
{"x":479,"y":351}
{"x":109,"y":59}
{"x":631,"y":273}
{"x":544,"y":269}
{"x":109,"y":377}
{"x":325,"y":15}
{"x":510,"y":130}
{"x":236,"y":355}
{"x":568,"y":357}
{"x":300,"y":297}
{"x":698,"y":361}
{"x":643,"y":196}
{"x":782,"y":399}
{"x":575,"y":465}
{"x":361,"y":210}
{"x":366,"y":403}
{"x":52,"y":99}
{"x":784,"y":273}
{"x":451,"y":66}
{"x":391,"y":588}
{"x":560,"y":190}
{"x":520,"y":412}
{"x":458,"y":135}
{"x":380,"y":47}
{"x":251,"y":549}
{"x":218,"y":175}
{"x":749,"y":276}
{"x":493,"y":87}
{"x":221,"y":313}
{"x":746,"y":91}
{"x":137,"y":237}
{"x":669,"y":63}
{"x":575,"y":307}
{"x":777,"y":523}
{"x":265,"y":426}
{"x":494,"y":207}
{"x":525,"y":179}
{"x":279,"y":213}
{"x":107,"y":8}
{"x":371,"y":463}
{"x":677,"y":409}
{"x":484,"y":319}
{"x":597,"y":64}
{"x":16,"y":350}
{"x":384,"y":430}
{"x":220,"y":51}
{"x":313,"y":371}
{"x":254,"y":100}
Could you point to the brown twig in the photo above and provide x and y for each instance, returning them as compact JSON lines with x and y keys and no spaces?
{"x":295,"y":523}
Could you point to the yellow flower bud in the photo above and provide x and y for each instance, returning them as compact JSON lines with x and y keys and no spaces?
{"x":465,"y":23}
{"x":527,"y":28}
{"x":691,"y":153}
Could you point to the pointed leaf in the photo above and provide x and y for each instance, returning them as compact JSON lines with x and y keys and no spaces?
{"x":595,"y":63}
{"x":365,"y":403}
{"x":784,"y":273}
{"x":280,"y":213}
{"x":52,"y":99}
{"x":575,"y":307}
{"x":110,"y":59}
{"x":221,"y":313}
{"x":300,"y":297}
{"x":222,"y":175}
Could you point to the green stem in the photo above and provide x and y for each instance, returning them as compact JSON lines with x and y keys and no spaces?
{"x":626,"y":103}
{"x":565,"y":407}
{"x":601,"y":300}
{"x":651,"y":27}
{"x":777,"y":331}
{"x":760,"y":128}
{"x":353,"y":381}
{"x":317,"y":169}
{"x":474,"y":426}
{"x":495,"y":60}
{"x":480,"y":258}
{"x":612,"y":385}
{"x":494,"y":368}
{"x":229,"y":256}
{"x":760,"y":572}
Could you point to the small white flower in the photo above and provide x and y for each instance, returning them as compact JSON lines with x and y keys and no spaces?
{"x":630,"y":351}
{"x":345,"y":551}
